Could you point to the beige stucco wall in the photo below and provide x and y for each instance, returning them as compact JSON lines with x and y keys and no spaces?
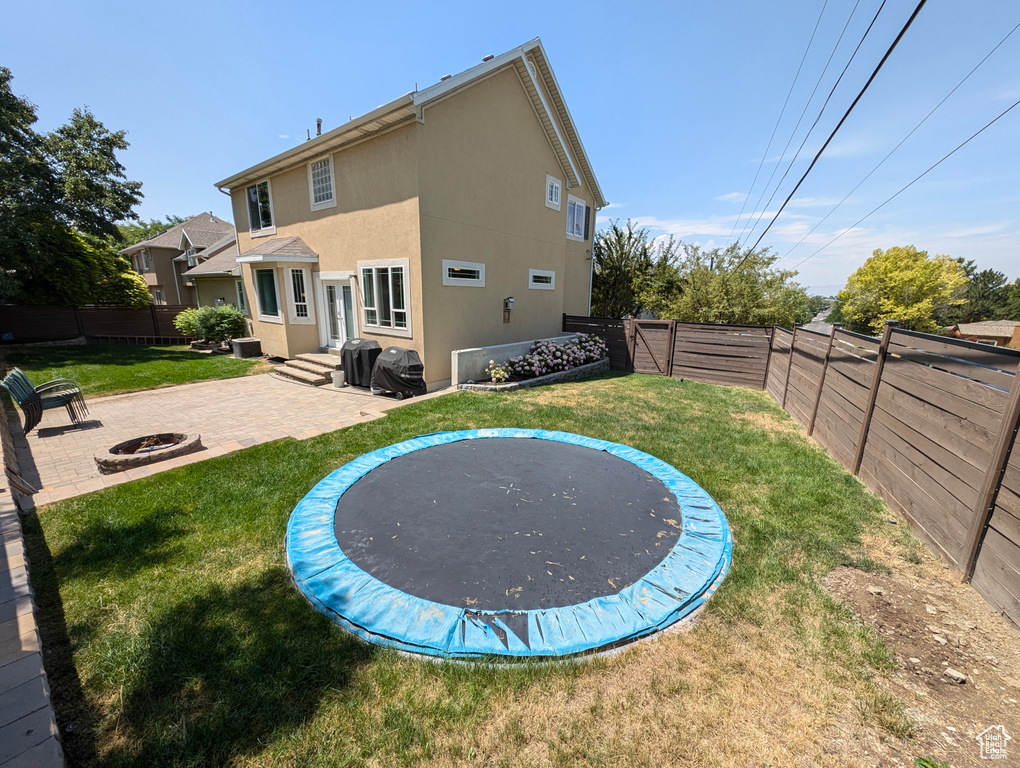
{"x":208,"y":289}
{"x":376,"y":218}
{"x":483,"y":160}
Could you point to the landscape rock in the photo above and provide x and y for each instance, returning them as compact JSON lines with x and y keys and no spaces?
{"x":956,"y":677}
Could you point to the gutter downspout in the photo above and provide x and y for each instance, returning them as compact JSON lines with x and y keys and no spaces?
{"x":591,"y":269}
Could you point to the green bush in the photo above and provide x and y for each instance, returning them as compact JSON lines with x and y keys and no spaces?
{"x":187,"y":322}
{"x":221,"y":323}
{"x":214,"y":324}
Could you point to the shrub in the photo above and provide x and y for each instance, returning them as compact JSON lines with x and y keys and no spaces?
{"x":187,"y":322}
{"x":221,"y":323}
{"x":215,"y":324}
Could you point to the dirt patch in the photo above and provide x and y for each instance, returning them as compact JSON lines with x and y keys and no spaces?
{"x":770,"y":423}
{"x":957,"y":660}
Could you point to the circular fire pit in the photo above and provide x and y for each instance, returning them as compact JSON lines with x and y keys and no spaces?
{"x":139,"y":451}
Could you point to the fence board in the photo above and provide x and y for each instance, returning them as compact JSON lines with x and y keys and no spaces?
{"x":612,"y":331}
{"x":721,"y":354}
{"x":996,"y":574}
{"x":45,"y":323}
{"x":998,"y":358}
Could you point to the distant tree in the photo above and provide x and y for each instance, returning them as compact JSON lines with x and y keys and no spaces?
{"x":735,"y":286}
{"x":135,"y":232}
{"x":622,"y":256}
{"x":1011,"y":301}
{"x":903,"y":284}
{"x":984,"y":297}
{"x":60,"y":193}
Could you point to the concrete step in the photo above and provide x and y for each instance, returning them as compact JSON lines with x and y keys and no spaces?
{"x":333,"y":351}
{"x":306,"y":365}
{"x":332,"y":362}
{"x":305,"y":377}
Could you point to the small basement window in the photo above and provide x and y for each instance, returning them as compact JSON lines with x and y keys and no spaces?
{"x":542,"y":279}
{"x":470,"y":273}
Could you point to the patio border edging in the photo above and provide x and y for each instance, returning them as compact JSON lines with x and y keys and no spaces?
{"x":28,"y":730}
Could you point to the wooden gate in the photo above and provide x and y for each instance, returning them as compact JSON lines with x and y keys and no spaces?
{"x":651,"y":346}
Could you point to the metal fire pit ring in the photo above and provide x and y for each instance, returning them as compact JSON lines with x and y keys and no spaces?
{"x":147,"y":449}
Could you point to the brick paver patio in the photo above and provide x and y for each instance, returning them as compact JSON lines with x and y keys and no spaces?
{"x":58,"y":458}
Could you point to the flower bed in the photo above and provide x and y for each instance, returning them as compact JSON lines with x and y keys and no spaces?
{"x":546,"y":362}
{"x":573,"y":374}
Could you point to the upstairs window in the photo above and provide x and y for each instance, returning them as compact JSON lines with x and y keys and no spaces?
{"x":192,"y":260}
{"x":552,"y":192}
{"x":260,"y":208}
{"x":321,"y":188}
{"x":146,"y":263}
{"x":575,"y":218}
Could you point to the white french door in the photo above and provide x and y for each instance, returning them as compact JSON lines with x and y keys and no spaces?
{"x":339,"y":314}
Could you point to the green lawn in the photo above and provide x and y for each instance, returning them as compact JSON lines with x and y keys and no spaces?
{"x":175,"y":637}
{"x":109,"y":369}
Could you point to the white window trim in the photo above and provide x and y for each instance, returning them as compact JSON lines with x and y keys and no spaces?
{"x":291,"y":299}
{"x":532,"y":273}
{"x":583,"y":205}
{"x":272,"y":210}
{"x":558,"y":205}
{"x":465,"y":283}
{"x":332,"y":186}
{"x":378,"y":329}
{"x":242,"y":304}
{"x":278,"y":319}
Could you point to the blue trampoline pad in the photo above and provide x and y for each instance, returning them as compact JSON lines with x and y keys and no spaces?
{"x":507,"y":543}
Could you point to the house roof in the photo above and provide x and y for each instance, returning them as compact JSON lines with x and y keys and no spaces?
{"x":201,"y":230}
{"x":540,"y":85}
{"x":998,"y":328}
{"x":212,"y":250}
{"x":222,"y":263}
{"x":279,"y":249}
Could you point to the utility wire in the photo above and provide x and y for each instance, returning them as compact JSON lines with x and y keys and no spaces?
{"x":779,"y":119}
{"x":839,"y":125}
{"x":903,"y":189}
{"x":872,"y":171}
{"x":825,"y":104}
{"x":801,"y":119}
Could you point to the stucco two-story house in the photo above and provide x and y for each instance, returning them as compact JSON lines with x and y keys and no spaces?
{"x":163,"y":259}
{"x":415,"y":223}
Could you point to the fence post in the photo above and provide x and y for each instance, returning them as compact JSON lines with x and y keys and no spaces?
{"x":155,"y":320}
{"x":789,"y":364}
{"x":821,"y":382}
{"x":669,"y":350}
{"x":77,"y":321}
{"x":993,"y":480}
{"x":768,"y":358}
{"x":890,"y":326}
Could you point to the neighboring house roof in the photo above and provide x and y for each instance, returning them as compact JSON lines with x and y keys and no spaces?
{"x":541,"y":86}
{"x":213,"y":249}
{"x":222,"y":263}
{"x":202,"y":230}
{"x":279,"y":249}
{"x":996,"y":328}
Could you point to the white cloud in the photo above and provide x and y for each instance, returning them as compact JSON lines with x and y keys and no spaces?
{"x":731,"y":197}
{"x":283,"y":136}
{"x":614,"y":205}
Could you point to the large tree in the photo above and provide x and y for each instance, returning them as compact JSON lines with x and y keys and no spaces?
{"x":135,"y":232}
{"x":630,"y":270}
{"x":734,"y":286}
{"x":61,"y":195}
{"x":904,"y":284}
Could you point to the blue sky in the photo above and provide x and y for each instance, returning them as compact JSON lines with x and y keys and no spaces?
{"x":675,"y":103}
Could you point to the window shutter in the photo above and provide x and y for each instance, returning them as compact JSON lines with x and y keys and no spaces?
{"x":587,"y":220}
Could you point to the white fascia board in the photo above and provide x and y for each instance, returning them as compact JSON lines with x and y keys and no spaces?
{"x":478,"y":71}
{"x":258,"y":258}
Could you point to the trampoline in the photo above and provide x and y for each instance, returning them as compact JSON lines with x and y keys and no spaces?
{"x":507,"y":543}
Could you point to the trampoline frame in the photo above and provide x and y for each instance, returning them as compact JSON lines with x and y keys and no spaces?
{"x":378,"y":613}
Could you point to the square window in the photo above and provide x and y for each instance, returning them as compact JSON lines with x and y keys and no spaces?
{"x":384,"y":297}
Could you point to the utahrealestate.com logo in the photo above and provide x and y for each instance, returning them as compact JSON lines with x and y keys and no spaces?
{"x":993,"y":742}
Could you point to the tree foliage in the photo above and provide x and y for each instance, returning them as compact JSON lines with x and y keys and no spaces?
{"x":60,"y":196}
{"x":735,"y":286}
{"x":630,"y":270}
{"x":134,"y":232}
{"x":903,"y":284}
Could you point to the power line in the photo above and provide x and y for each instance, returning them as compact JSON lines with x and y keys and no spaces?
{"x":801,"y":118}
{"x":839,"y":125}
{"x":825,"y":104}
{"x":893,"y":150}
{"x":780,"y":118}
{"x":903,"y":189}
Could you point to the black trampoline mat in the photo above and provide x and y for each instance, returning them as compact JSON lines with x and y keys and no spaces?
{"x":507,"y":523}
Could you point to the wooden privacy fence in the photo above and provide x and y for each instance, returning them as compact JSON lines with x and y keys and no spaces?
{"x":42,"y":323}
{"x":718,"y":354}
{"x":929,"y":424}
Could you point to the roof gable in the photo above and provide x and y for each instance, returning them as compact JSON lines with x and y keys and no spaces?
{"x":540,"y":85}
{"x":201,"y":230}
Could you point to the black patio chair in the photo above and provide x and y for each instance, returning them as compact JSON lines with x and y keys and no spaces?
{"x":59,"y":393}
